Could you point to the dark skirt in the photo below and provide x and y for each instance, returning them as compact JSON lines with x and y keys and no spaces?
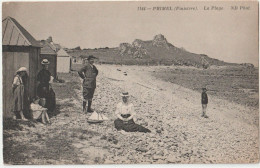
{"x":88,"y":93}
{"x":129,"y":126}
{"x":51,"y":100}
{"x":44,"y":91}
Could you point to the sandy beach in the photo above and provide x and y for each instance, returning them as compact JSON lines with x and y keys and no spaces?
{"x":170,"y":111}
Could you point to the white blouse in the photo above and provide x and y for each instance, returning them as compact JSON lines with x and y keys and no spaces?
{"x":125,"y":109}
{"x":37,"y":110}
{"x":36,"y":107}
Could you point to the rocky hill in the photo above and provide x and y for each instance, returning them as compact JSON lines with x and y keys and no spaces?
{"x":152,"y":52}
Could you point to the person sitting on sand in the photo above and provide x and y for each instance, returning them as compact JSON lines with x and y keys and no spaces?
{"x":204,"y":102}
{"x":126,"y":116}
{"x":39,"y":112}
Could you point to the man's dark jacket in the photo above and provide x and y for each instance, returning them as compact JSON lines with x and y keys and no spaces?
{"x":89,"y":75}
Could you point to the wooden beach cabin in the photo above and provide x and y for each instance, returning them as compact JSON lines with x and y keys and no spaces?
{"x":63,"y":61}
{"x":48,"y":51}
{"x":19,"y":49}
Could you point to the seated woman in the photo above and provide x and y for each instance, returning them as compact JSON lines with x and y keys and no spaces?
{"x":126,"y":115}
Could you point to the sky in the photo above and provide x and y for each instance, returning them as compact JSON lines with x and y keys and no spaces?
{"x":228,"y":35}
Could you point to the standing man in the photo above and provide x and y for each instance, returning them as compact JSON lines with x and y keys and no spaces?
{"x":88,"y":73}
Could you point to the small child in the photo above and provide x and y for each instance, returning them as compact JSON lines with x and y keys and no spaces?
{"x":204,"y":102}
{"x":39,"y":112}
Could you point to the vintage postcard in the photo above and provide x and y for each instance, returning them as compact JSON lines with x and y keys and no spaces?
{"x":136,"y":82}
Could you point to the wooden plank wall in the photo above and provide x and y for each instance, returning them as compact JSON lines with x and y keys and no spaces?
{"x":19,"y":56}
{"x":8,"y":72}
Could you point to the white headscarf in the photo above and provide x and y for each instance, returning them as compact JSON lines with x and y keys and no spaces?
{"x":22,"y":69}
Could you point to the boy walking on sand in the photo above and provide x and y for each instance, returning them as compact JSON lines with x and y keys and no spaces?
{"x":204,"y":102}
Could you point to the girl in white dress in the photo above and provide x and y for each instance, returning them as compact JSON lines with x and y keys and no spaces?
{"x":20,"y":97}
{"x":39,"y":112}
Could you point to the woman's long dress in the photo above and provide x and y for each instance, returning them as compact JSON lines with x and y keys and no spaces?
{"x":44,"y":90}
{"x":18,"y":94}
{"x":20,"y":97}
